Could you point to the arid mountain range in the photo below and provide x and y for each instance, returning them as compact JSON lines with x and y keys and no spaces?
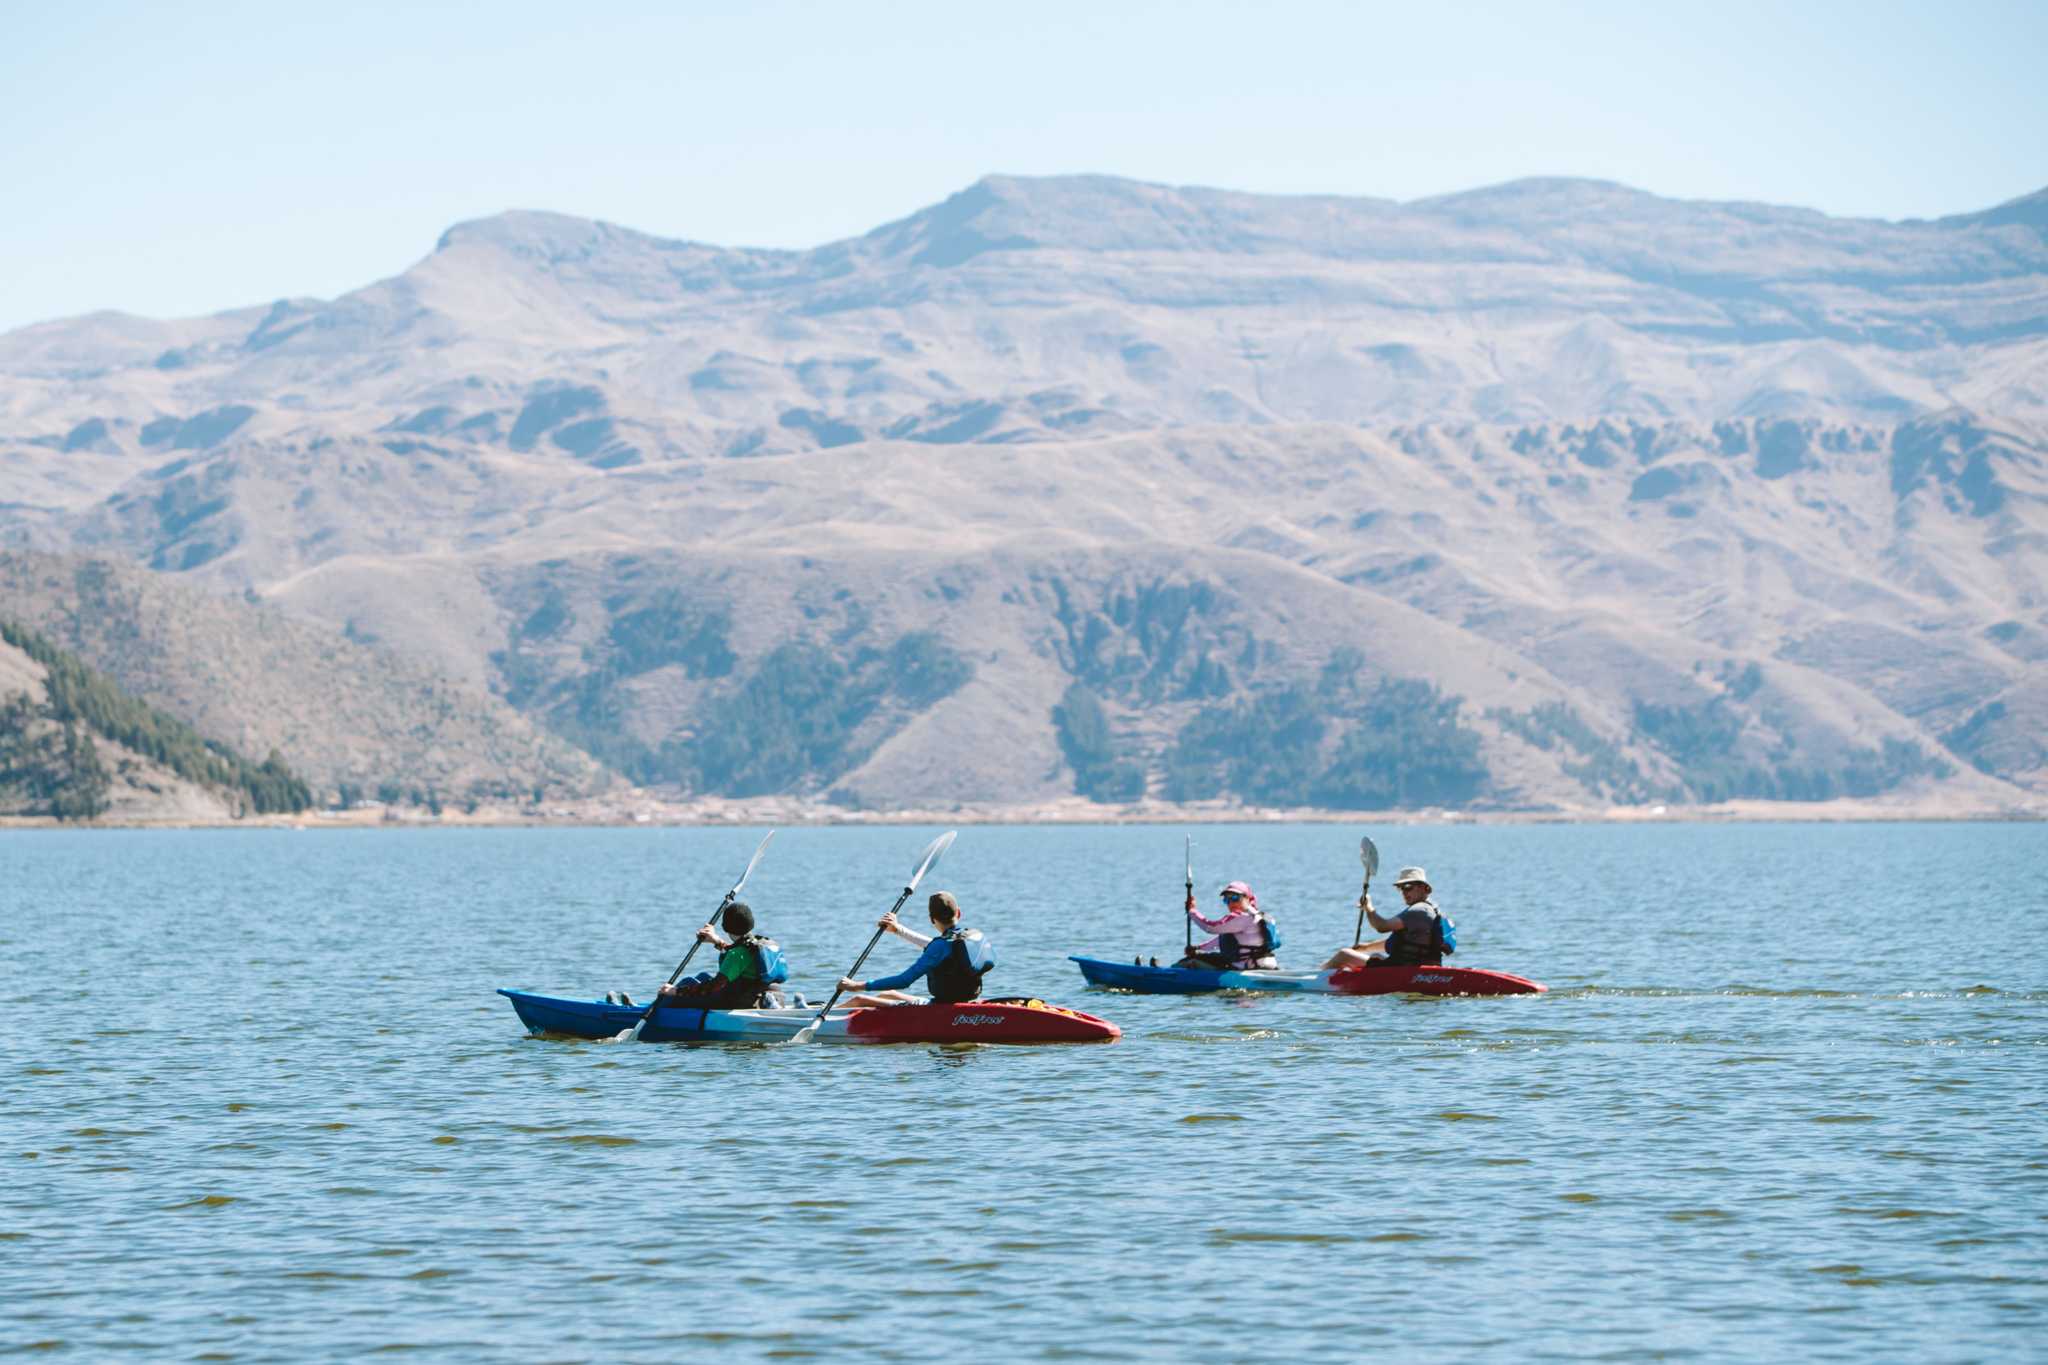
{"x":1555,"y":494}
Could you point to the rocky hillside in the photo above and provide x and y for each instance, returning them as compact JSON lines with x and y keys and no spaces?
{"x":352,"y":718}
{"x":75,"y":747}
{"x":1553,"y":494}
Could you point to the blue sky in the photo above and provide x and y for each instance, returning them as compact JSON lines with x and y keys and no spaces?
{"x":179,"y":159}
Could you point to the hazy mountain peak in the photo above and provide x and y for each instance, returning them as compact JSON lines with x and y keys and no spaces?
{"x":538,"y":233}
{"x":1545,"y":190}
{"x":2029,"y":210}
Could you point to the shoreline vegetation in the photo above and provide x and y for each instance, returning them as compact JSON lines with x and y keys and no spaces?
{"x":786,"y":811}
{"x":50,"y":747}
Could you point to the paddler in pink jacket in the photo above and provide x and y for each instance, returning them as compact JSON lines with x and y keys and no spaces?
{"x":1240,"y":940}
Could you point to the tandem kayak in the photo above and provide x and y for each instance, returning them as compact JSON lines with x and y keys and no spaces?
{"x":1130,"y":976}
{"x":977,"y":1021}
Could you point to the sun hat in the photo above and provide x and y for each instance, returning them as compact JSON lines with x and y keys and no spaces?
{"x":1411,"y":874}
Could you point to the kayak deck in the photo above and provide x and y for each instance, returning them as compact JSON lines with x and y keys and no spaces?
{"x":976,"y":1021}
{"x":1131,"y":976}
{"x":1431,"y":981}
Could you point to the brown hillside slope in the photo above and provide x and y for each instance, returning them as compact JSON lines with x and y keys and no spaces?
{"x":257,"y":680}
{"x":1677,"y":500}
{"x":32,"y":746}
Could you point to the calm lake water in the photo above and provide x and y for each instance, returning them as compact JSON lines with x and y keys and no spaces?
{"x":1788,"y":1095}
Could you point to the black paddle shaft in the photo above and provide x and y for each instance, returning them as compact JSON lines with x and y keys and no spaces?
{"x":697,"y":943}
{"x":837,"y":991}
{"x":647,"y":1015}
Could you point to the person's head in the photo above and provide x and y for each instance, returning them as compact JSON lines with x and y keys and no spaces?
{"x":739,"y":919}
{"x":1238,"y":896}
{"x":945,"y":911}
{"x":1413,"y":884}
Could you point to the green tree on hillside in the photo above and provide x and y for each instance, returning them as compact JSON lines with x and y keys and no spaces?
{"x":87,"y":703}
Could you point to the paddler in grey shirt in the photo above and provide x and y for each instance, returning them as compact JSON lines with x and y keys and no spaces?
{"x":1410,"y":932}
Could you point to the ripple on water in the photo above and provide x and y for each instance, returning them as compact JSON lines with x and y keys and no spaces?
{"x":205,"y":1201}
{"x":1075,"y":1172}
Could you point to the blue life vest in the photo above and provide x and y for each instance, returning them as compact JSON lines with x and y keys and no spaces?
{"x":958,"y":975}
{"x":1446,"y":934}
{"x":762,"y":967}
{"x":768,"y":963}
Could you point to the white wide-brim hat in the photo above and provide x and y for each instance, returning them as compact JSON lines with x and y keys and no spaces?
{"x":1411,"y":874}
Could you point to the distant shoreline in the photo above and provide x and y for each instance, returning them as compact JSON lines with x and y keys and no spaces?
{"x":650,"y":813}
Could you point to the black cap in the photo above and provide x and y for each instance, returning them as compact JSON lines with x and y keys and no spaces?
{"x":739,"y":919}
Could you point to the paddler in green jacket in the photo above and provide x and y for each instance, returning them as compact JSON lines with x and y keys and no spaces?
{"x":748,"y":965}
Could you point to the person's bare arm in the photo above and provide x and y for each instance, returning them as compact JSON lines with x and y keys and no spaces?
{"x":891,"y":923}
{"x":1372,"y":917}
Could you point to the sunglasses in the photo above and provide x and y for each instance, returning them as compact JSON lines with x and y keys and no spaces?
{"x":1232,"y":896}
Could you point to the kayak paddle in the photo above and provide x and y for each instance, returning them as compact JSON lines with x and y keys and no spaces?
{"x":925,"y":861}
{"x":632,"y":1035}
{"x":1370,"y":857}
{"x":1188,"y":923}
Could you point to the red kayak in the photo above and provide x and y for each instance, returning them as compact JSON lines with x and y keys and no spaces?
{"x":1431,"y":981}
{"x":980,"y":1021}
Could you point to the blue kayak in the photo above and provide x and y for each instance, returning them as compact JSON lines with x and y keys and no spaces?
{"x":1130,"y":976}
{"x":600,"y":1019}
{"x":1375,"y":980}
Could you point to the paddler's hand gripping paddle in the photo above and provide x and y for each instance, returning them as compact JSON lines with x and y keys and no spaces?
{"x":632,"y":1035}
{"x":924,"y":864}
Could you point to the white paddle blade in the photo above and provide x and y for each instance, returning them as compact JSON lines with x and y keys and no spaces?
{"x":806,"y":1033}
{"x":932,"y":853}
{"x":752,"y":863}
{"x":1369,"y":856}
{"x":1191,"y":860}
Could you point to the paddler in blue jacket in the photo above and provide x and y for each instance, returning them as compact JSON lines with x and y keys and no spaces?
{"x":952,"y":963}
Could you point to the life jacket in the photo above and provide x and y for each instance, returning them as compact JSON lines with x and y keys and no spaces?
{"x":766,"y":964}
{"x":1241,"y":953}
{"x":761,"y":966}
{"x":1422,"y":945}
{"x":958,"y":975}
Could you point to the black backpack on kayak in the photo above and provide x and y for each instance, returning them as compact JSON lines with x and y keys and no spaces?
{"x":957,"y":979}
